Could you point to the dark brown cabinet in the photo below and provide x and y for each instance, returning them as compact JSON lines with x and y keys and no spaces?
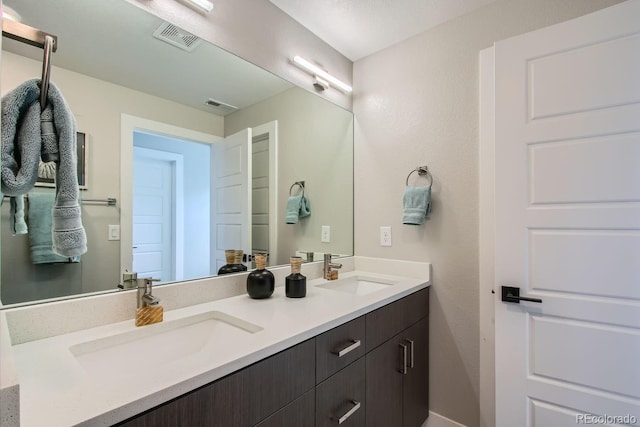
{"x":241,"y":399}
{"x":371,"y":371}
{"x":398,"y":369}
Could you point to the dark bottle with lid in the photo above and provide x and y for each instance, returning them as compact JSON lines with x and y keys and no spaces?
{"x":260,"y":282}
{"x":230,"y":266}
{"x":295,"y":283}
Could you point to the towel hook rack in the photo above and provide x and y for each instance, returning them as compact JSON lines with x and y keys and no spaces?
{"x":34,"y":37}
{"x":422,"y":171}
{"x":299,"y":184}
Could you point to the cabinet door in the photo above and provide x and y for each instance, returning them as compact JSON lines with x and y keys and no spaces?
{"x":241,"y":399}
{"x":387,"y":321}
{"x":385,"y":385}
{"x":299,"y":413}
{"x":342,"y":396}
{"x":416,"y":382}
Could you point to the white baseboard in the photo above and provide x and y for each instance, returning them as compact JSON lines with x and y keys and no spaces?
{"x":437,"y":420}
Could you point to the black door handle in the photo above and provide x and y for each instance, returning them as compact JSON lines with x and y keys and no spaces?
{"x":512,"y":294}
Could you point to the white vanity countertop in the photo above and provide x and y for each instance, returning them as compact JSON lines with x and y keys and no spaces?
{"x":56,"y":391}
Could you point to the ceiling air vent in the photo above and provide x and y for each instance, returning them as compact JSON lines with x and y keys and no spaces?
{"x":220,"y":106}
{"x":177,"y":37}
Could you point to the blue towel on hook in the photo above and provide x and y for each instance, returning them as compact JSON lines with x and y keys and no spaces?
{"x":297,"y":207}
{"x":417,"y":205}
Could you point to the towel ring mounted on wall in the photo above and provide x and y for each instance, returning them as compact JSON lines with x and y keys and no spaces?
{"x":300,"y":184}
{"x":422,"y":171}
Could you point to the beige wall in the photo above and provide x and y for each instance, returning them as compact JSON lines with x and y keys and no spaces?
{"x":97,"y":106}
{"x":311,"y":132}
{"x":416,"y":103}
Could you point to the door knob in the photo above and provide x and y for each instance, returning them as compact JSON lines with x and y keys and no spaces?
{"x":512,"y":294}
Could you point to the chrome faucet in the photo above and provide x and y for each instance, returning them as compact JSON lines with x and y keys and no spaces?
{"x":328,"y":267}
{"x":145,"y":293}
{"x":129,"y":280}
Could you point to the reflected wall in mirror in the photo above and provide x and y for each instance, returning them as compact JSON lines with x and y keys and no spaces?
{"x":141,"y":103}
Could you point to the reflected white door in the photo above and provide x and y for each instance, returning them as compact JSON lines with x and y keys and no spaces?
{"x":260,"y":195}
{"x":231,"y":201}
{"x":153,"y":219}
{"x":568,"y":221}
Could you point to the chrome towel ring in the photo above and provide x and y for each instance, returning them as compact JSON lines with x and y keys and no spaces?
{"x":422,"y":171}
{"x":300,"y":184}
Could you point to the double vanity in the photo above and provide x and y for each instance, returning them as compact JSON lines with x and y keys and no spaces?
{"x":354,"y":350}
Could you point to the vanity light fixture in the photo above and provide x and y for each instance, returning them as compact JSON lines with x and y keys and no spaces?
{"x":321,"y":74}
{"x":204,"y":5}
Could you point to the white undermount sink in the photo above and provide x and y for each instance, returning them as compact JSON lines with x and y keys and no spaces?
{"x":357,"y":285}
{"x":161,"y":344}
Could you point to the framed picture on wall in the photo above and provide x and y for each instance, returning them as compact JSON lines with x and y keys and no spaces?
{"x":47,"y":171}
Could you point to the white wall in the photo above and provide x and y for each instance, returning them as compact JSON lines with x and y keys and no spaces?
{"x":416,"y":103}
{"x":97,"y":106}
{"x":311,"y":132}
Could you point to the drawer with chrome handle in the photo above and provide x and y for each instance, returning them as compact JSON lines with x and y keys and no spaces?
{"x":338,"y":347}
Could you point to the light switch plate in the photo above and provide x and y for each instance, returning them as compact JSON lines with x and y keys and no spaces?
{"x":114,"y":232}
{"x":325,"y":234}
{"x":385,"y":236}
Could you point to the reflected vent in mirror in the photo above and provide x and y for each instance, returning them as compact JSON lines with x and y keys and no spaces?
{"x":220,"y":106}
{"x":177,"y":37}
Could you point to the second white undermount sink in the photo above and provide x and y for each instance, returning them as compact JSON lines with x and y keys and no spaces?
{"x":357,"y":285}
{"x":159,"y":345}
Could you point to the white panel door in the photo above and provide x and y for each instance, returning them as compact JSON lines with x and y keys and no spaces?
{"x":153,"y":220}
{"x":568,"y":222}
{"x":231,"y":201}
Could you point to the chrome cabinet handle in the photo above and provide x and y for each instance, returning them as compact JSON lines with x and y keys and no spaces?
{"x":411,"y":357}
{"x":354,"y":344}
{"x":404,"y":348}
{"x":356,"y":406}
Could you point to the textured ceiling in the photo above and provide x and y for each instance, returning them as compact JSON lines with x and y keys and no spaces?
{"x":358,"y":28}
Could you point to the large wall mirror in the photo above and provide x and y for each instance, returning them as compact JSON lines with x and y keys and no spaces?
{"x":200,"y":149}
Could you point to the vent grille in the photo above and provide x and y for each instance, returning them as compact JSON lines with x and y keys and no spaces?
{"x":176,"y":36}
{"x":220,"y":106}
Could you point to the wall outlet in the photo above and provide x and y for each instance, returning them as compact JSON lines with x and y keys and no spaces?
{"x":325,"y":234}
{"x":385,"y":236}
{"x":114,"y":232}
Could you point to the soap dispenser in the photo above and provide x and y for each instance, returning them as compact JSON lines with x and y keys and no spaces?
{"x":148,"y":310}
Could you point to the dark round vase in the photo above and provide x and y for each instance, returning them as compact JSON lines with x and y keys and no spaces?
{"x":230,"y":268}
{"x":260,"y":282}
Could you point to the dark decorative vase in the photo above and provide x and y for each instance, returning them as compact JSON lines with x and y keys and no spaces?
{"x":260,"y":282}
{"x":295,"y":283}
{"x":231,"y":266}
{"x":239,"y":260}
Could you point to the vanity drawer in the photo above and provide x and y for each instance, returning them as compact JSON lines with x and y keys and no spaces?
{"x":341,"y":398}
{"x":389,"y":320}
{"x":338,"y":347}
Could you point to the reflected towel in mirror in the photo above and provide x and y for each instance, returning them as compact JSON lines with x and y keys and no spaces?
{"x":40,"y":223}
{"x":297,"y":207}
